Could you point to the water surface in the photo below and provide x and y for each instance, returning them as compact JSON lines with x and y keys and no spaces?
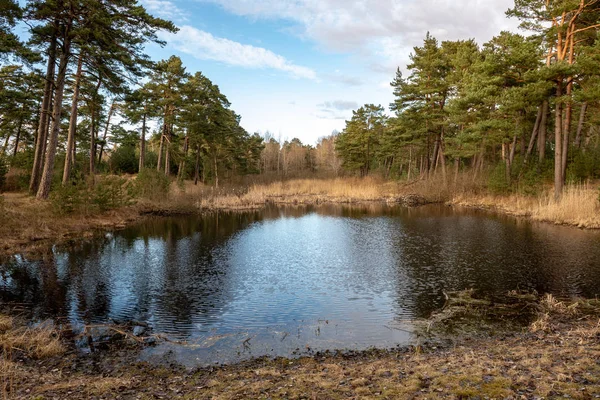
{"x":282,"y":281}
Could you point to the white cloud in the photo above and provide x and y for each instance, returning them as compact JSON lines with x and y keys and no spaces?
{"x":164,"y":9}
{"x":370,"y":27}
{"x":345,"y":79}
{"x":341,"y":105}
{"x":204,"y":45}
{"x":336,"y":109}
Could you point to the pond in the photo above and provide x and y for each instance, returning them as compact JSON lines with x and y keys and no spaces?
{"x":290,"y":280}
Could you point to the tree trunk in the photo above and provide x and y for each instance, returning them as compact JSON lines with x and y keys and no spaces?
{"x":534,"y":135}
{"x":565,"y":143}
{"x":569,"y":107}
{"x":92,"y":131}
{"x":368,"y":160}
{"x":443,"y":163}
{"x":110,"y":113}
{"x":409,"y":163}
{"x":475,"y":166}
{"x":278,"y":158}
{"x":181,"y":172}
{"x":506,"y":153}
{"x":18,"y":136}
{"x":92,"y":142}
{"x":168,"y":151}
{"x":74,"y":152}
{"x":511,"y":158}
{"x":143,"y":143}
{"x":160,"y":150}
{"x":216,"y":167}
{"x":46,"y":180}
{"x":69,"y":156}
{"x":542,"y":132}
{"x":513,"y":150}
{"x":580,"y":124}
{"x":5,"y":147}
{"x":436,"y":148}
{"x":197,"y":167}
{"x":456,"y":169}
{"x":44,"y":122}
{"x":558,"y":173}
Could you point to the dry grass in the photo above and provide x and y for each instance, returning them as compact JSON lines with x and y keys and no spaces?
{"x":558,"y":362}
{"x":335,"y":190}
{"x":296,"y":191}
{"x":579,"y":205}
{"x":31,"y":226}
{"x":17,"y":340}
{"x":37,"y":342}
{"x":304,"y":191}
{"x":27,"y":225}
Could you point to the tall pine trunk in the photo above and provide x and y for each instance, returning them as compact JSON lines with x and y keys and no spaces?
{"x":143,"y":143}
{"x":216,"y":169}
{"x":69,"y":155}
{"x":110,"y":114}
{"x":558,"y":173}
{"x":168,"y":151}
{"x":434,"y":159}
{"x":160,"y":149}
{"x":534,"y":134}
{"x":93,"y":131}
{"x":92,"y":142}
{"x":542,"y":133}
{"x":197,"y":166}
{"x":5,"y":147}
{"x":456,"y":169}
{"x":44,"y":122}
{"x":580,"y":124}
{"x":181,"y":172}
{"x":18,"y":137}
{"x":46,"y":180}
{"x":569,"y":108}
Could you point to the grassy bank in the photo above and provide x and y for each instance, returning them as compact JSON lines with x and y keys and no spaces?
{"x":579,"y":206}
{"x":555,"y":356}
{"x":30,"y":226}
{"x":27,"y":225}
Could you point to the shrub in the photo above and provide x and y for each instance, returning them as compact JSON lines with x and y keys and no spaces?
{"x":497,"y":182}
{"x":112,"y":192}
{"x":584,"y":165}
{"x":532,"y":178}
{"x":71,"y":198}
{"x":124,"y":160}
{"x":151,"y":184}
{"x":80,"y":197}
{"x":151,"y":159}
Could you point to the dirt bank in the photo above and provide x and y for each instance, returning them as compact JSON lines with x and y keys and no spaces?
{"x":556,"y":355}
{"x":30,"y":226}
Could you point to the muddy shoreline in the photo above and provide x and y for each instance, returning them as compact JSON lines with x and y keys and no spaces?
{"x":554,"y":355}
{"x":32,"y":232}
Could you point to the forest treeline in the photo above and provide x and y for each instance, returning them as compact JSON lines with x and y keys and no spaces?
{"x":81,"y":97}
{"x":524,"y":106}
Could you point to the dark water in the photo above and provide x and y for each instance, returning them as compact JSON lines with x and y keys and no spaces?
{"x":285,"y":280}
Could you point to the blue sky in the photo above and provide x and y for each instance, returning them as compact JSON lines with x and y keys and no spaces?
{"x":297,"y":68}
